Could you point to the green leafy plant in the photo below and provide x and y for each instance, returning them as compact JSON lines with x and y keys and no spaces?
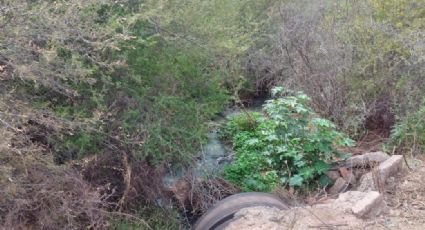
{"x":287,"y":145}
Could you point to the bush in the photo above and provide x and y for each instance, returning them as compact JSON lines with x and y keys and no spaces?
{"x":288,"y":145}
{"x":359,"y":61}
{"x":409,"y":132}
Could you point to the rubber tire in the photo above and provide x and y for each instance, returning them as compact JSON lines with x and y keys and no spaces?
{"x":223,"y":212}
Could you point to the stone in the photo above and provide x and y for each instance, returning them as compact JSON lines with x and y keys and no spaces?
{"x":341,"y":213}
{"x":339,"y":186}
{"x":370,"y":206}
{"x":366,"y":159}
{"x":367,"y":183}
{"x":346,"y":200}
{"x":390,"y":167}
{"x":372,"y":181}
{"x":350,"y":178}
{"x":350,"y":197}
{"x":333,"y":175}
{"x":359,"y":172}
{"x":343,"y":171}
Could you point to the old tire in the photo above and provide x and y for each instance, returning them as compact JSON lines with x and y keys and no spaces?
{"x":223,"y":212}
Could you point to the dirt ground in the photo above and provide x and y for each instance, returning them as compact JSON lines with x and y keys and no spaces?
{"x":404,"y":197}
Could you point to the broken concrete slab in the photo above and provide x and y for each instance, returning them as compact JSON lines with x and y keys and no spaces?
{"x":346,"y":212}
{"x":297,"y":218}
{"x":346,"y":201}
{"x":366,"y":159}
{"x":372,"y":181}
{"x":367,"y":183}
{"x":350,"y":178}
{"x":361,"y":204}
{"x":370,"y":206}
{"x":339,"y":186}
{"x":343,"y":171}
{"x":359,"y":172}
{"x":390,"y":167}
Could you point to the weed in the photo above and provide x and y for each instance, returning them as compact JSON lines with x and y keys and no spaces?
{"x":288,"y":145}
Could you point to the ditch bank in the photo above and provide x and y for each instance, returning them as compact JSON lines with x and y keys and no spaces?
{"x":393,"y":199}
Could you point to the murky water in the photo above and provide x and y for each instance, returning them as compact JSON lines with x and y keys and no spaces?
{"x":214,"y":154}
{"x":212,"y":157}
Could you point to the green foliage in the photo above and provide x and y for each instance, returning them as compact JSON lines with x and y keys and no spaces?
{"x":143,"y":77}
{"x":349,"y":57}
{"x":245,"y":122}
{"x":75,"y":146}
{"x":174,"y":91}
{"x":387,"y":56}
{"x":409,"y":132}
{"x":64,"y":53}
{"x":149,"y":73}
{"x":150,"y":93}
{"x":225,"y":26}
{"x":288,"y":145}
{"x":226,"y":29}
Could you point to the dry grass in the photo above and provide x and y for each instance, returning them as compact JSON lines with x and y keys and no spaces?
{"x":37,"y":194}
{"x":405,"y":197}
{"x":194,"y":195}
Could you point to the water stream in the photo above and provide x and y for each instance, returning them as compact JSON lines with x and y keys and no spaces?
{"x":211,"y":159}
{"x":214,"y":154}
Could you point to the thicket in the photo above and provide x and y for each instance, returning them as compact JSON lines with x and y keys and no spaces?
{"x":119,"y":91}
{"x":130,"y":88}
{"x":361,"y":62}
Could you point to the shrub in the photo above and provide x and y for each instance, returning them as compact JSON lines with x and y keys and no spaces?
{"x":359,"y":61}
{"x":409,"y":132}
{"x":287,"y":145}
{"x":245,"y":122}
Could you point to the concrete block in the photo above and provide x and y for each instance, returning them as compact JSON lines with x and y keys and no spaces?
{"x":370,"y":206}
{"x":339,"y":186}
{"x":366,"y":159}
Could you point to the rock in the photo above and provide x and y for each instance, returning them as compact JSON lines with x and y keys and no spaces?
{"x":390,"y":167}
{"x":275,"y":219}
{"x":372,"y":181}
{"x":339,"y":186}
{"x":343,"y":171}
{"x":350,"y":178}
{"x":370,"y":206}
{"x":359,"y":172}
{"x":342,"y":213}
{"x":258,"y":217}
{"x":367,"y":183}
{"x":333,"y":175}
{"x":350,"y":197}
{"x":346,"y":201}
{"x":366,"y":159}
{"x":297,"y":218}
